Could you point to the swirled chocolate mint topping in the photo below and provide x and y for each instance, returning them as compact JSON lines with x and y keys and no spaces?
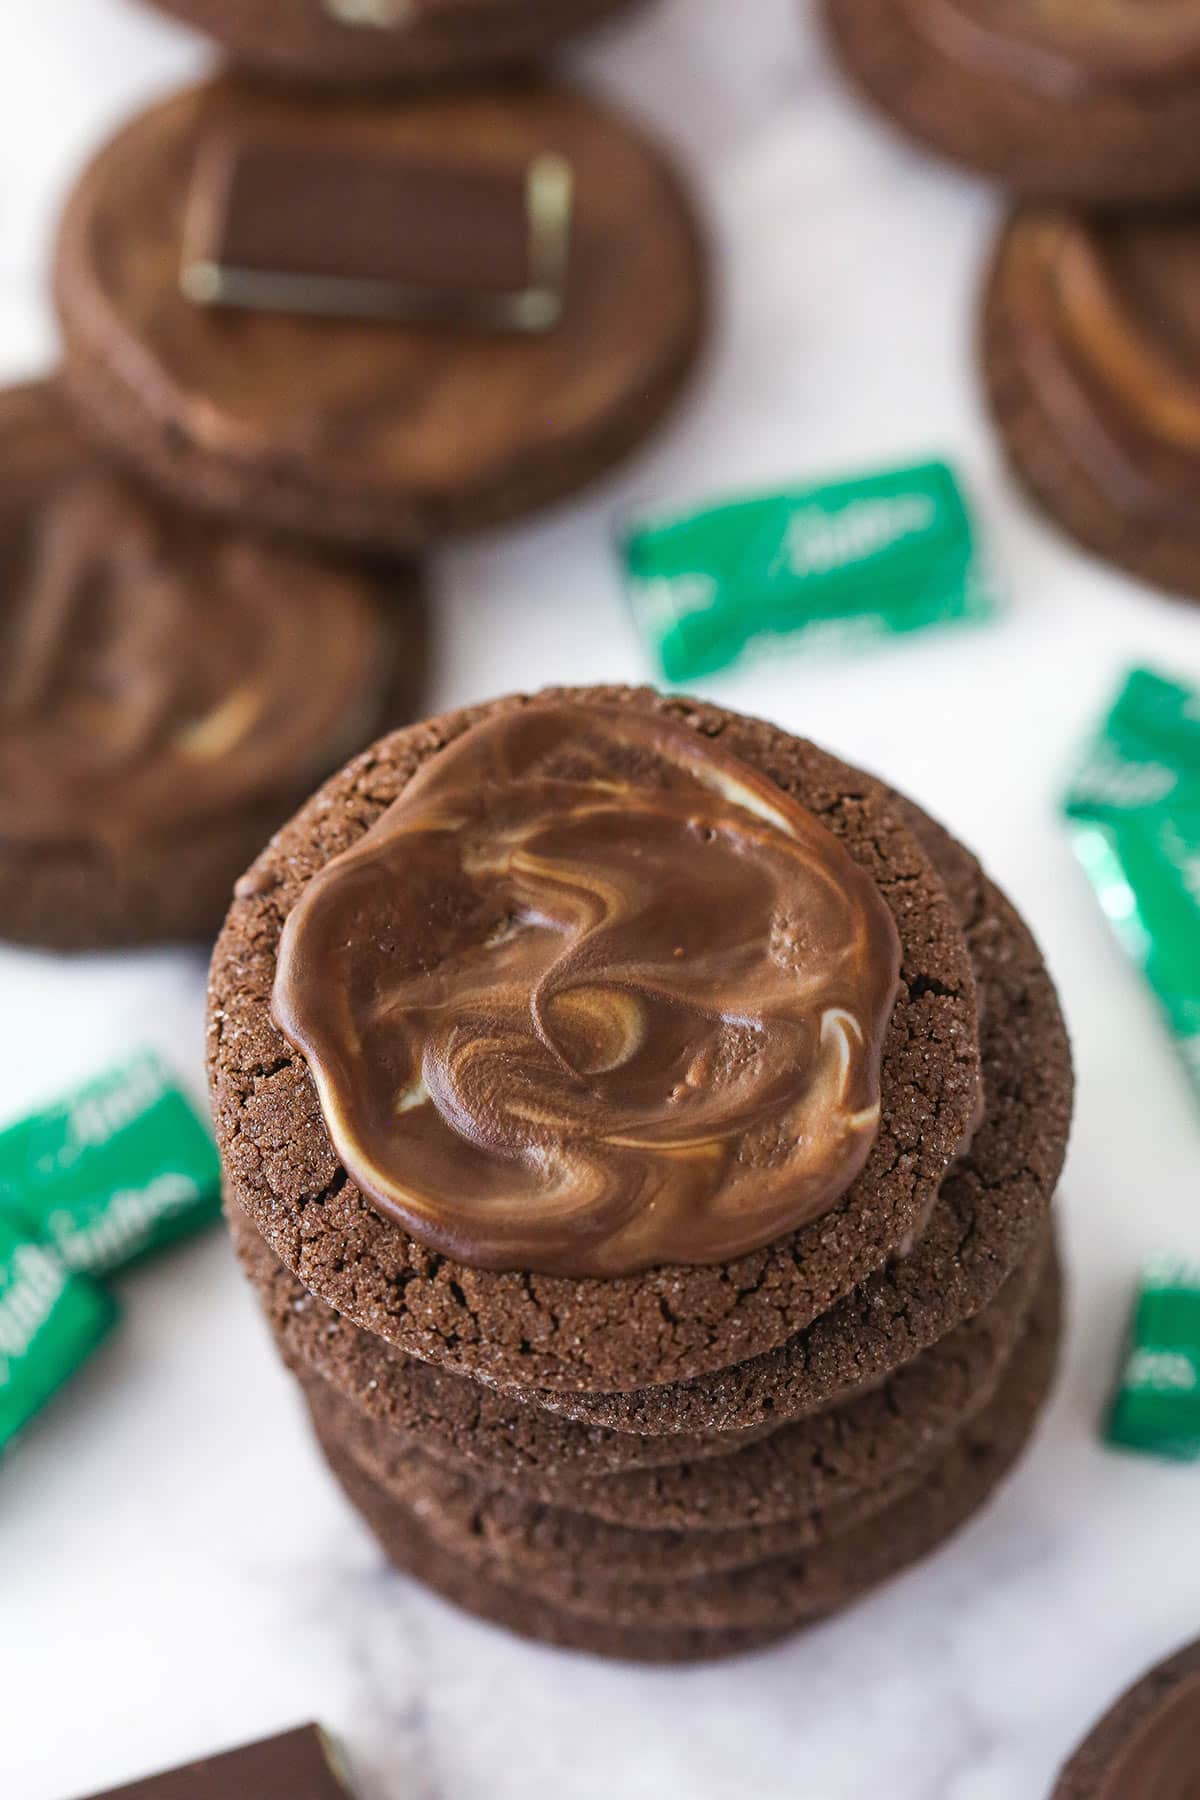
{"x":591,"y":996}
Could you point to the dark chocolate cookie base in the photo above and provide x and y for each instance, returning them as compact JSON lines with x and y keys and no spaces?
{"x":813,"y":1463}
{"x":1104,"y":145}
{"x":536,"y":1332}
{"x":165,"y":430}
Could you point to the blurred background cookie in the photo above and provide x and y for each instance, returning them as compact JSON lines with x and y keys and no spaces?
{"x":1060,"y":99}
{"x":167,"y":691}
{"x":378,"y":322}
{"x":1091,"y":360}
{"x":372,"y":41}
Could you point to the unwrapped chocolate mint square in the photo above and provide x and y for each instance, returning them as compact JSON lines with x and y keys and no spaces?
{"x":360,"y":231}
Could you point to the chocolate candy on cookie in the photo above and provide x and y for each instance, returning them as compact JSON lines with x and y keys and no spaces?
{"x":1090,"y":347}
{"x":1058,"y":99}
{"x":168,"y":691}
{"x":341,"y":43}
{"x":378,"y":321}
{"x":652,"y":1190}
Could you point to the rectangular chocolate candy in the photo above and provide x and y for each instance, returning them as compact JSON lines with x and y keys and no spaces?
{"x":279,"y":226}
{"x":836,"y":564}
{"x":113,"y":1171}
{"x":298,"y":1765}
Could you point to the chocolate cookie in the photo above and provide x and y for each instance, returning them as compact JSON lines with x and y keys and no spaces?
{"x":378,"y":321}
{"x":775,"y":1598}
{"x":1059,"y":99}
{"x":490,"y":1527}
{"x":461,"y":1420}
{"x":811,"y":1480}
{"x":1091,"y":359}
{"x":991,"y":1209}
{"x":1147,"y":1747}
{"x":672,"y":1321}
{"x":368,"y":42}
{"x":633,"y":1577}
{"x":670,"y":1482}
{"x":167,"y":691}
{"x":518,"y":1442}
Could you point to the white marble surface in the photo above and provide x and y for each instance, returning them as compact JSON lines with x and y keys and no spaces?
{"x":176,"y":1570}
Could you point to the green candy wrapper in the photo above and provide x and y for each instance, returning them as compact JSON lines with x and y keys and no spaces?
{"x":114,"y":1171}
{"x":837,"y":564}
{"x":1157,"y":1404}
{"x":50,"y":1322}
{"x":1134,"y":814}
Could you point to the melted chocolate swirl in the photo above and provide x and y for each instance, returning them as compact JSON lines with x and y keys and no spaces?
{"x":591,"y":996}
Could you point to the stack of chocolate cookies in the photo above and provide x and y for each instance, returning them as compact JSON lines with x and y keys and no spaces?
{"x":641,"y":1130}
{"x":341,"y":43}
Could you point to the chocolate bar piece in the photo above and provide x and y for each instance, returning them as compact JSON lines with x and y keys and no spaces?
{"x":362,"y":232}
{"x":298,"y":1765}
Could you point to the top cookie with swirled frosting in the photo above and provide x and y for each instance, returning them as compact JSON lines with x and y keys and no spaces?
{"x":593,"y":995}
{"x":668,"y":1320}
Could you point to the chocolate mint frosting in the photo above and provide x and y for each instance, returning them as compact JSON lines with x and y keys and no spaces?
{"x":593,"y":995}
